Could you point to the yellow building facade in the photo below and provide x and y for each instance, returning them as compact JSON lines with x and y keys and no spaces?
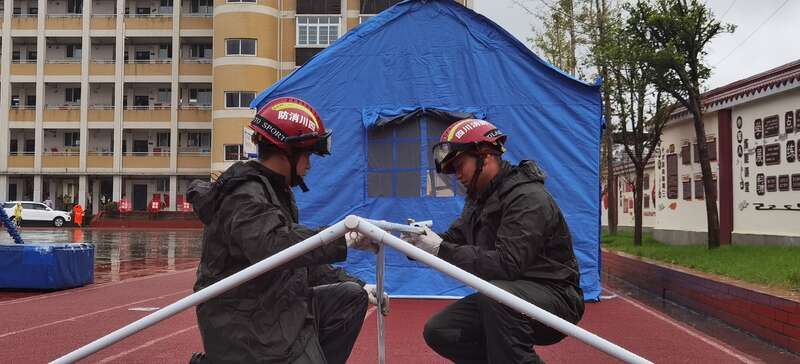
{"x":103,"y":100}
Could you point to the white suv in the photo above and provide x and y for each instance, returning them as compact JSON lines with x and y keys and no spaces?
{"x":37,"y":211}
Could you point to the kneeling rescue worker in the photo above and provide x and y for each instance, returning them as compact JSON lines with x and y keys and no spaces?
{"x":511,"y":233}
{"x":305,"y":311}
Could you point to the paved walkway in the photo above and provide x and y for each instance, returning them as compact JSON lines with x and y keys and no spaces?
{"x":41,"y":327}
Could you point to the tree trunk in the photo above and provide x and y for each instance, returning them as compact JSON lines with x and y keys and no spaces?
{"x":637,"y":207}
{"x":712,"y":212}
{"x":611,"y":181}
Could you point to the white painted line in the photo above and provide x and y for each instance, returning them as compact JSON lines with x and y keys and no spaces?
{"x":370,"y":311}
{"x":73,"y":318}
{"x":143,"y":309}
{"x":91,"y":288}
{"x":149,"y":343}
{"x":702,"y":337}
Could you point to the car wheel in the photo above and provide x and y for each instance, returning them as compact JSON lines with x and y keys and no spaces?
{"x":58,"y":222}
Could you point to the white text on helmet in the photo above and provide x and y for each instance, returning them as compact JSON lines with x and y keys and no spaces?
{"x":469,"y":126}
{"x":298,"y":119}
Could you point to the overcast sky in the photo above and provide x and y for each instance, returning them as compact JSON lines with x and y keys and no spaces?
{"x":776,"y":42}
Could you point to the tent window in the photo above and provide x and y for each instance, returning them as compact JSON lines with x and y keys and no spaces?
{"x":393,"y":161}
{"x":396,"y":166}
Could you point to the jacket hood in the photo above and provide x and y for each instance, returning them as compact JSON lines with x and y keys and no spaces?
{"x":526,"y":171}
{"x":205,"y":195}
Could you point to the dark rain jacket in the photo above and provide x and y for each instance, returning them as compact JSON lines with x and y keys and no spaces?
{"x":513,"y":231}
{"x":249,"y":214}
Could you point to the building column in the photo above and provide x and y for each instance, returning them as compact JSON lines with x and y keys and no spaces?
{"x":173,"y":193}
{"x":83,"y":188}
{"x":3,"y":188}
{"x":5,"y":90}
{"x":37,"y":187}
{"x":96,"y":197}
{"x":53,"y":189}
{"x":116,"y":193}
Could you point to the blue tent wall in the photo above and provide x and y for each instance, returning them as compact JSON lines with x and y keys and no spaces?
{"x":438,"y":54}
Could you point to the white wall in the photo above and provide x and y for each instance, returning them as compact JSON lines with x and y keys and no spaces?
{"x":54,"y":138}
{"x":680,"y":214}
{"x":100,"y":141}
{"x":105,"y":7}
{"x":101,"y":94}
{"x":103,"y":52}
{"x":747,"y":219}
{"x":55,"y":94}
{"x":57,"y":7}
{"x":59,"y":52}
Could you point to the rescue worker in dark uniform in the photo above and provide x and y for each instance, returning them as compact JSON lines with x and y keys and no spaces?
{"x":510,"y":233}
{"x":305,"y":311}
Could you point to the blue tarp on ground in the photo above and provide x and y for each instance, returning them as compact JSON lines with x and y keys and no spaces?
{"x":46,"y":266}
{"x":440,"y":55}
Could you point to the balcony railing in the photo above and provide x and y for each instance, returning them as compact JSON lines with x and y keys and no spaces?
{"x":63,"y":61}
{"x":99,"y":159}
{"x":55,"y":158}
{"x":103,"y":61}
{"x":149,"y":61}
{"x":23,"y":107}
{"x":146,"y":159}
{"x":62,"y":113}
{"x":193,"y":60}
{"x":148,"y":107}
{"x":23,"y":61}
{"x":194,"y":107}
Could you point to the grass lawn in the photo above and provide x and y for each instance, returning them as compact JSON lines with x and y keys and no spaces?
{"x":774,"y":266}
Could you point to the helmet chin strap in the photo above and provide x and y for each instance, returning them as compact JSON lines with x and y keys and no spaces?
{"x":295,"y":179}
{"x":472,"y":189}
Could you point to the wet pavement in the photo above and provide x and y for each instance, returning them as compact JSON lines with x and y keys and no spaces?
{"x":122,"y":254}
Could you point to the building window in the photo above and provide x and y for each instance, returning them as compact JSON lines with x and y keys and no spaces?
{"x":31,"y":56}
{"x":74,"y":6}
{"x":72,"y":139}
{"x":73,"y":51}
{"x":239,"y":99}
{"x":712,"y":150}
{"x":12,"y":147}
{"x":317,"y":30}
{"x":646,"y":182}
{"x":234,"y":152}
{"x":162,"y":185}
{"x":163,"y":140}
{"x":30,"y":145}
{"x":376,"y":6}
{"x":30,"y":100}
{"x":15,"y":55}
{"x":302,"y":55}
{"x":200,"y":51}
{"x":72,"y":94}
{"x":672,"y":176}
{"x":699,"y":191}
{"x":200,"y":96}
{"x":646,"y":201}
{"x":319,"y":6}
{"x":686,"y":154}
{"x":240,"y":47}
{"x":14,"y":100}
{"x":198,"y":139}
{"x":687,"y":190}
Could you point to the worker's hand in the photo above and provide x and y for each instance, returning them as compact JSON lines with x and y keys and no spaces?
{"x":410,"y":237}
{"x":357,"y":240}
{"x":372,"y":292}
{"x":428,"y":241}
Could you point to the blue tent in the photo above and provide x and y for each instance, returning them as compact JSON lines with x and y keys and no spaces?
{"x":424,"y":64}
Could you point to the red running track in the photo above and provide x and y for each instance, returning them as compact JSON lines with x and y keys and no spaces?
{"x":40,"y":328}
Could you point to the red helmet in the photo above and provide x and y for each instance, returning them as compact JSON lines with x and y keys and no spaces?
{"x":466,"y":136}
{"x":291,"y":125}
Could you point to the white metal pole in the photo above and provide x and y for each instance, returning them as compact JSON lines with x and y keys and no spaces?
{"x":325,"y":236}
{"x":379,"y":270}
{"x":390,"y":226}
{"x":494,"y":292}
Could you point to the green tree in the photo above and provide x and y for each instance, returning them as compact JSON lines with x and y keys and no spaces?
{"x":674,"y":35}
{"x":640,"y":109}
